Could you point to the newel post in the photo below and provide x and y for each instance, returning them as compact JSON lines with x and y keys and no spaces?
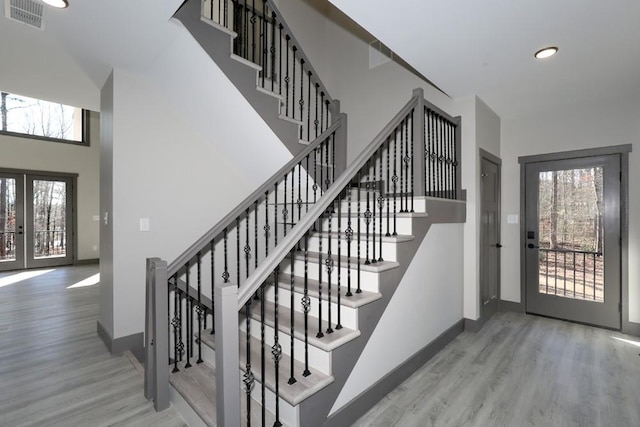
{"x":418,"y":144}
{"x":227,"y":344}
{"x":156,"y":372}
{"x":341,"y":137}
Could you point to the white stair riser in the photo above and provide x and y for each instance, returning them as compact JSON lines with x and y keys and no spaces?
{"x":389,"y":249}
{"x":369,"y":280}
{"x":403,"y":225}
{"x":319,"y":359}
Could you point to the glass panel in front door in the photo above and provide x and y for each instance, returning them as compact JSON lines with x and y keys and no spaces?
{"x":7,"y":219}
{"x":570,"y":227}
{"x":49,"y":219}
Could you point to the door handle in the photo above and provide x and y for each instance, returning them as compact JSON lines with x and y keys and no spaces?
{"x":498,"y":245}
{"x":532,"y":246}
{"x":19,"y":229}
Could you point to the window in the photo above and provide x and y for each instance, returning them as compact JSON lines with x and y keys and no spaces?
{"x":24,"y":116}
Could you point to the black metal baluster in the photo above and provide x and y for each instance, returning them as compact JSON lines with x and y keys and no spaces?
{"x":329,"y":265}
{"x":367,"y":214}
{"x":321,"y":111}
{"x":333,"y":157}
{"x":315,"y":176}
{"x":293,"y":84}
{"x":255,"y":245}
{"x":264,"y":34}
{"x":394,"y":180}
{"x":380,"y":200}
{"x":276,"y":349}
{"x":248,"y":378}
{"x":247,"y":248}
{"x":238,"y":251}
{"x":175,"y":322}
{"x":326,"y":126}
{"x":213,"y":275}
{"x":285,"y":211}
{"x":405,"y":165}
{"x":275,"y":215}
{"x":293,"y":176}
{"x":401,"y":165}
{"x":307,"y":184}
{"x":455,"y":165}
{"x":412,"y":156}
{"x":301,"y":101}
{"x":320,"y":220}
{"x":273,"y":50}
{"x":286,"y":79}
{"x":267,"y":228}
{"x":300,"y":193}
{"x":292,"y":377}
{"x":358,"y":290}
{"x":246,"y":31}
{"x":309,"y":74}
{"x":441,"y":158}
{"x":187,"y":304}
{"x":348,"y":234}
{"x":225,"y":274}
{"x":199,"y":310}
{"x":340,"y":197}
{"x":280,"y":60}
{"x":316,"y":123}
{"x":253,"y":31}
{"x":388,"y":188}
{"x":322,"y":167}
{"x":226,"y":8}
{"x":374,"y":259}
{"x":306,"y":305}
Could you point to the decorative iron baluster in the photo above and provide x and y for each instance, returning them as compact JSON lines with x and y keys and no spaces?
{"x":248,"y":378}
{"x":280,"y":60}
{"x":187,"y":304}
{"x":292,"y":377}
{"x":326,"y":102}
{"x":309,"y":74}
{"x":293,"y":176}
{"x":412,"y":156}
{"x":293,"y":84}
{"x":301,"y":101}
{"x":374,"y":203}
{"x":286,"y":79}
{"x":247,"y":248}
{"x":267,"y":228}
{"x":320,"y":334}
{"x":246,"y":30}
{"x":276,"y":349}
{"x":225,"y":274}
{"x":299,"y":201}
{"x":263,"y":40}
{"x":329,"y":264}
{"x":321,"y":112}
{"x":275,"y":215}
{"x":175,"y":322}
{"x":238,"y":251}
{"x":226,"y":8}
{"x":358,"y":290}
{"x":380,"y":199}
{"x":253,"y":31}
{"x":255,"y":245}
{"x":388,"y":188}
{"x":285,"y":211}
{"x":316,"y":123}
{"x":455,"y":164}
{"x":213,"y":275}
{"x":199,"y":309}
{"x":333,"y":157}
{"x":348,"y":235}
{"x":394,"y":180}
{"x":273,"y":50}
{"x":405,"y":163}
{"x":441,"y":157}
{"x":306,"y":305}
{"x":339,"y":241}
{"x":307,"y":184}
{"x":367,"y":213}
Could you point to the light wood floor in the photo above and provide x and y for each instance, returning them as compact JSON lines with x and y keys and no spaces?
{"x":521,"y":371}
{"x":54,"y":370}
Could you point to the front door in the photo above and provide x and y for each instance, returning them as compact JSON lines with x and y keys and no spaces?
{"x":36,"y":227}
{"x":572,"y":237}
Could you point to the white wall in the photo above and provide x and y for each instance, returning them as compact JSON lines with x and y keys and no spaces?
{"x":49,"y":156}
{"x":427,"y":302}
{"x":607,"y":122}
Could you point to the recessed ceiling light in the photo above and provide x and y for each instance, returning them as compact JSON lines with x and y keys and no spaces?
{"x":60,"y":4}
{"x":546,"y":52}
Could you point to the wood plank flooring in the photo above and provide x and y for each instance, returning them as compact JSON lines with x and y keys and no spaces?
{"x":54,"y":370}
{"x":521,"y":370}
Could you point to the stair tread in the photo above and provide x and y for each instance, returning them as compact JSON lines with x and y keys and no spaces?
{"x":376,"y":267}
{"x":328,"y":342}
{"x":303,"y":388}
{"x":354,"y":301}
{"x":197,"y":385}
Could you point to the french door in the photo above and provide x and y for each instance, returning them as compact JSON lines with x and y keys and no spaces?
{"x":572,"y":239}
{"x":36,"y":220}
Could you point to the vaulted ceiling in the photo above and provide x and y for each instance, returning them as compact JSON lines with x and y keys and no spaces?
{"x":466,"y":47}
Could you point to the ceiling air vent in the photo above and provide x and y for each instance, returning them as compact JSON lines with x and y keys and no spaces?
{"x":28,"y":12}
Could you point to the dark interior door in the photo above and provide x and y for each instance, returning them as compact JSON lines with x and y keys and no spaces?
{"x":490,"y":237}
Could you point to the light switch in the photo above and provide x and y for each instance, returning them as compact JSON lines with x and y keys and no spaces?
{"x":512,"y":218}
{"x":145,"y":224}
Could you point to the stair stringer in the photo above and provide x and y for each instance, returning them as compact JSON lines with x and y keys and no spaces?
{"x":315,"y":410}
{"x":218,"y":45}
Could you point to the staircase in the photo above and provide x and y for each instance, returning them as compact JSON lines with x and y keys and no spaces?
{"x":290,"y":285}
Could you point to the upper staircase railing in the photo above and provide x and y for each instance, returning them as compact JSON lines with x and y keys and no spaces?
{"x":264,"y":38}
{"x":416,"y":154}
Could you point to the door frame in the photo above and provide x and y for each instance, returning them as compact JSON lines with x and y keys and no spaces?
{"x":621,"y":150}
{"x":485,"y":311}
{"x":73,"y":178}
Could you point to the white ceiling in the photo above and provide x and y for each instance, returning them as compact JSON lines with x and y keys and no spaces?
{"x":485,"y":48}
{"x":466,"y":47}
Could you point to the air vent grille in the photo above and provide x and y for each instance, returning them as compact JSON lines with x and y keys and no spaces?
{"x":28,"y":12}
